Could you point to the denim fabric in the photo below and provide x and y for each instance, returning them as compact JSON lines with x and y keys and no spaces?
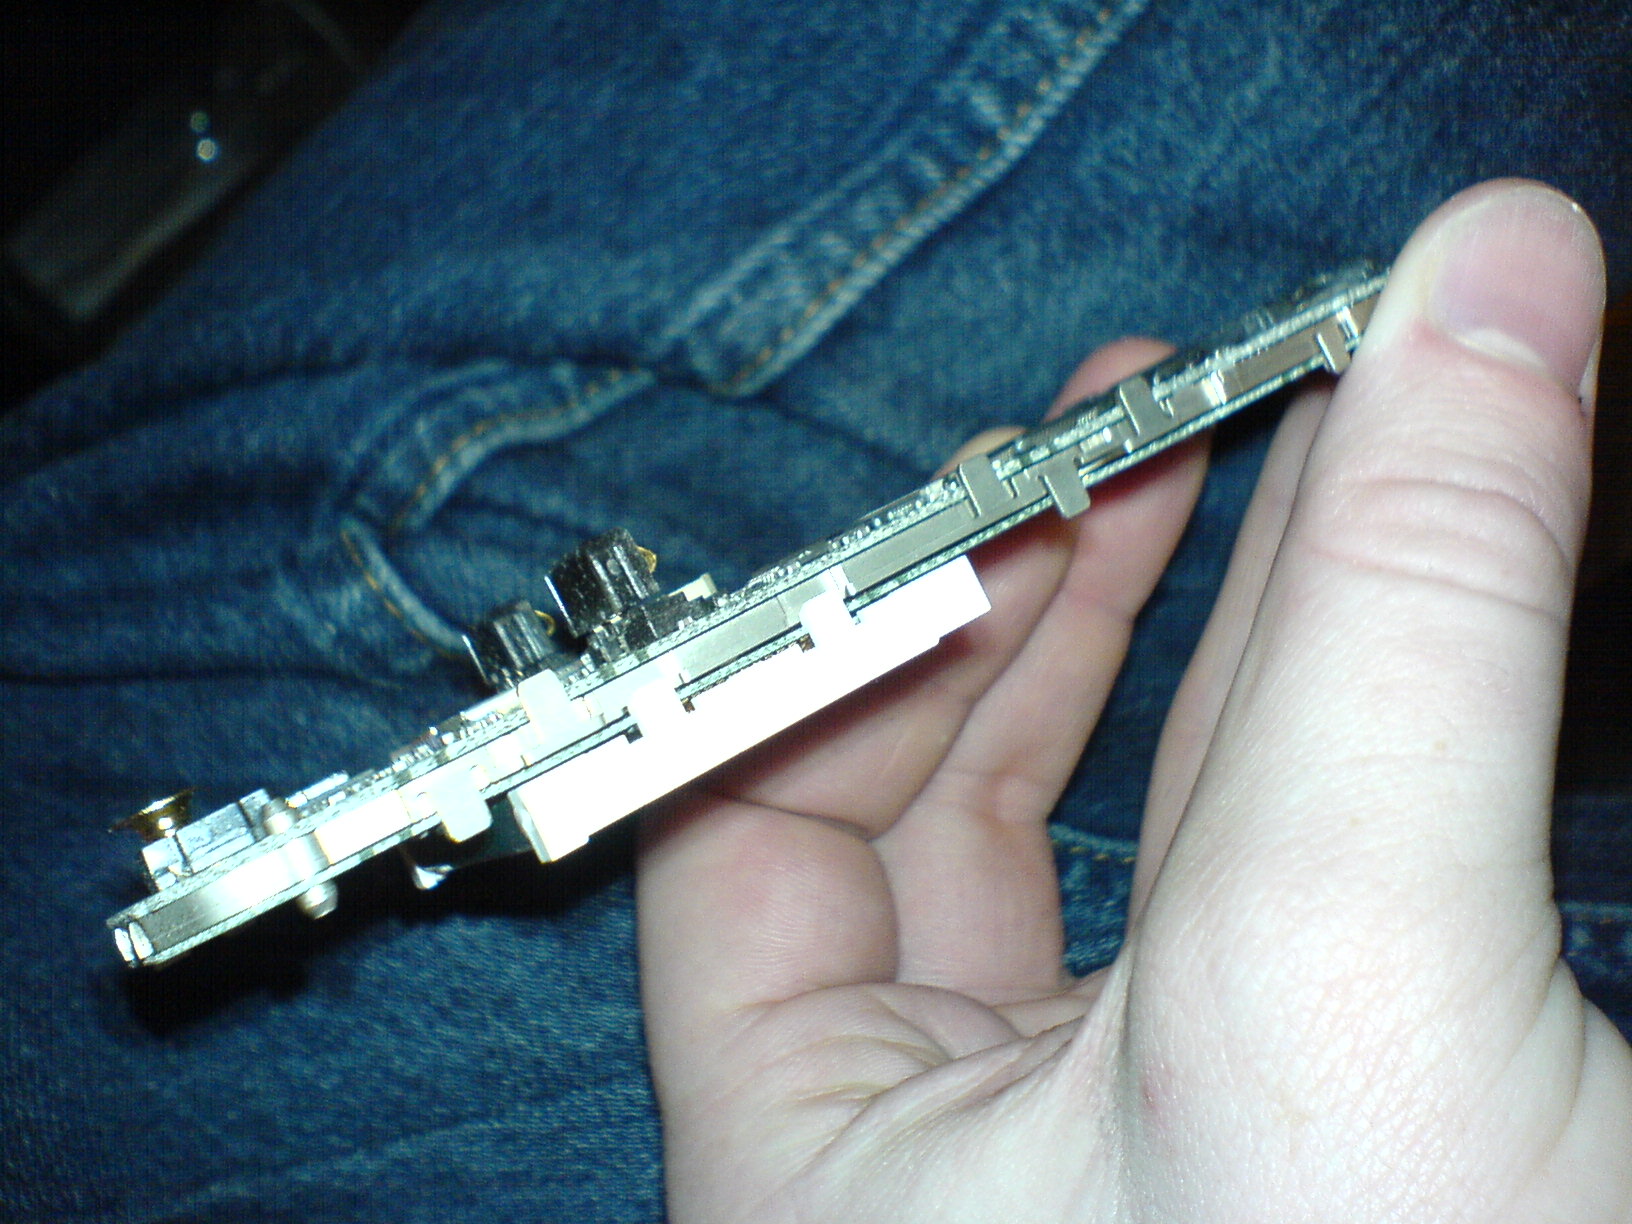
{"x":727,"y":275}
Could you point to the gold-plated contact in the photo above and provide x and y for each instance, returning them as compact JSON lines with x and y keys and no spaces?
{"x":161,"y":818}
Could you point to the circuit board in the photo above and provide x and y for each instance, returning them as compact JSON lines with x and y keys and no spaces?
{"x":654,"y":688}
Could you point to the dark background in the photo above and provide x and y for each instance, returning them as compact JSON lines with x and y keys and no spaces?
{"x":105,"y":108}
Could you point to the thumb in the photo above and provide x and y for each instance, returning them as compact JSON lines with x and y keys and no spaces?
{"x":1360,"y":883}
{"x":1411,"y":637}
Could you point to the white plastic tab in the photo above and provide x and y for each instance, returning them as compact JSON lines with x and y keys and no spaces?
{"x":561,"y":809}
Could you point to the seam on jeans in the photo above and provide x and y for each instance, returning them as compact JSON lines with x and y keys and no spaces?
{"x":874,"y":252}
{"x":1080,"y":843}
{"x":1099,"y":856}
{"x":881,"y":211}
{"x":363,"y":542}
{"x":485,"y":426}
{"x":1596,"y":913}
{"x":374,"y":584}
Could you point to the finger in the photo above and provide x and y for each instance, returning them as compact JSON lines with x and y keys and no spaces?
{"x":864,"y":761}
{"x":1193,"y":719}
{"x":1364,"y":857}
{"x":969,"y":862}
{"x":765,"y":887}
{"x":740,"y":906}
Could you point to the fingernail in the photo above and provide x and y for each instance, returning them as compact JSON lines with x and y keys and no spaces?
{"x":1521,"y":278}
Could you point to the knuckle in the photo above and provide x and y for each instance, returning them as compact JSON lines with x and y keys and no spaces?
{"x":1477,"y":495}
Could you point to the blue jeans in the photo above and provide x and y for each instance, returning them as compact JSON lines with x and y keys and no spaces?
{"x":725,"y":274}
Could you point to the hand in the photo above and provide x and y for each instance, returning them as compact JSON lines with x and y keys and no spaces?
{"x":1341,"y":996}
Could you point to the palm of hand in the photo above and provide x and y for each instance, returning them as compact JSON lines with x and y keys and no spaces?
{"x":1340,"y":996}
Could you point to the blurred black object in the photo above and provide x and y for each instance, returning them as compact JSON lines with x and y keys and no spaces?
{"x":131,"y":130}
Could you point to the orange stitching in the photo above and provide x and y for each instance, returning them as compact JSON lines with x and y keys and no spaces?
{"x":865,"y":256}
{"x":610,"y":378}
{"x":379,"y":590}
{"x":1102,"y":856}
{"x":484,"y":426}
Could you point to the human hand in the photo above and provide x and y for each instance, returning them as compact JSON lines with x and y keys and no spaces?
{"x":1341,"y":996}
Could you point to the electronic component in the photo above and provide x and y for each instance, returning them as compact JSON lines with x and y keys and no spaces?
{"x":665,"y":686}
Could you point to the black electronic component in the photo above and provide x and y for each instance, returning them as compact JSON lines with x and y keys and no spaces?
{"x":601,"y":579}
{"x":610,"y":600}
{"x":511,"y":644}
